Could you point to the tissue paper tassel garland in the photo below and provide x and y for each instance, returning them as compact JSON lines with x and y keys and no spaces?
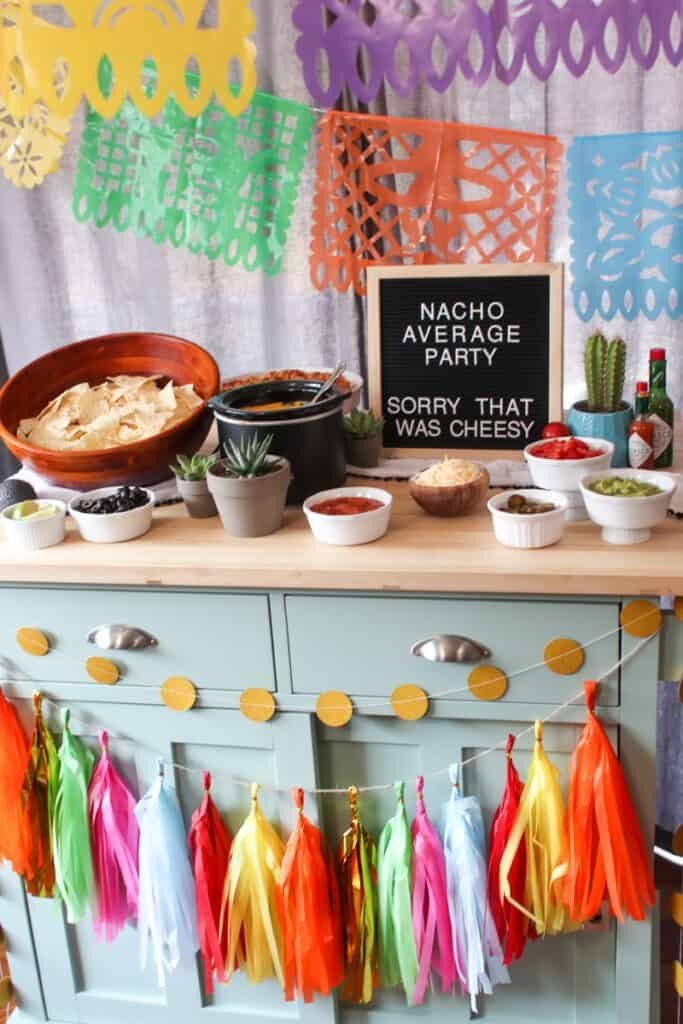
{"x":249,"y":909}
{"x":309,"y":912}
{"x":71,"y":828}
{"x":115,"y":835}
{"x":38,"y":794}
{"x":476,"y":947}
{"x":358,"y":878}
{"x":608,"y":859}
{"x":540,"y":824}
{"x":512,"y":925}
{"x":209,"y":842}
{"x":167,"y":913}
{"x":431,"y":920}
{"x":13,"y":761}
{"x":397,"y":954}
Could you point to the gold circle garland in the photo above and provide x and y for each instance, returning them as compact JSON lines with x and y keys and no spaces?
{"x":257,"y":705}
{"x":409,"y":702}
{"x":563,"y":656}
{"x":334,"y":708}
{"x":33,"y":641}
{"x":102,"y":670}
{"x":178,"y":693}
{"x":486,"y":682}
{"x":641,"y":618}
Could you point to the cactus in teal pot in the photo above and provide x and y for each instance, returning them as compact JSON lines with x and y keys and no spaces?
{"x":604,"y":414}
{"x":594,"y":361}
{"x":615,"y":374}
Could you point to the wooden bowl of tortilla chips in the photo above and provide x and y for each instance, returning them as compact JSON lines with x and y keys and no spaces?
{"x":109,"y":410}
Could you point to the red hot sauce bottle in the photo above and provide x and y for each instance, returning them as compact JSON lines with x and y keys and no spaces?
{"x":641,"y":433}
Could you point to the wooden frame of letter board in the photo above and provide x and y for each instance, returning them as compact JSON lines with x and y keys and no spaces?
{"x":555,"y":274}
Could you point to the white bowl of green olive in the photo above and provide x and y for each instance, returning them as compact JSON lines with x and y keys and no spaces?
{"x":528,"y":518}
{"x":627,"y":503}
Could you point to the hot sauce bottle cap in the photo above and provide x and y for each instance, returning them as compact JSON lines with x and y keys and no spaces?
{"x":657,"y":354}
{"x":642,"y":386}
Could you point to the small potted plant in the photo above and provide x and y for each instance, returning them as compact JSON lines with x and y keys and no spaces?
{"x":604,"y":414}
{"x":249,"y":487}
{"x":190,"y":474}
{"x":363,"y":438}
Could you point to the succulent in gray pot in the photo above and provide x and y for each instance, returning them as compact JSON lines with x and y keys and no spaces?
{"x":249,"y":487}
{"x":190,"y":474}
{"x":604,"y":415}
{"x":363,"y":438}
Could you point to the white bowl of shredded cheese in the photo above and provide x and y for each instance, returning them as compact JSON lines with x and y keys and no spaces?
{"x":452,"y":487}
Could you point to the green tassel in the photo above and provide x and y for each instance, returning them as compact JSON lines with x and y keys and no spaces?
{"x":71,"y":828}
{"x":397,"y":954}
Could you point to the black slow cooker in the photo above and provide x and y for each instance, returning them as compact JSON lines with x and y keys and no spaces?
{"x":310,"y":436}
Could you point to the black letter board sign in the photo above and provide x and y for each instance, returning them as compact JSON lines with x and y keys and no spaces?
{"x":465,"y":357}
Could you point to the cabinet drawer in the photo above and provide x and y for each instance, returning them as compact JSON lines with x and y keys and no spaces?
{"x":361,"y":645}
{"x":221,"y":641}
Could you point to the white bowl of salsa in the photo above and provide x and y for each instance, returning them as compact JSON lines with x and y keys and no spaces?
{"x":348,"y":515}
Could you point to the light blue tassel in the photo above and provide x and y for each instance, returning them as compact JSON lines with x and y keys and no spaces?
{"x":476,"y":946}
{"x":167,"y":913}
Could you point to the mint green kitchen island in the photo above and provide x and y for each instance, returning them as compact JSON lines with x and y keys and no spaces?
{"x":298,"y":619}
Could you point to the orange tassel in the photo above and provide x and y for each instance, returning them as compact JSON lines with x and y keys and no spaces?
{"x":608,"y":859}
{"x":308,"y":903}
{"x":13,"y":762}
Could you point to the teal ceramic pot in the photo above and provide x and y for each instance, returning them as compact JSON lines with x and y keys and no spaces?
{"x":605,"y":426}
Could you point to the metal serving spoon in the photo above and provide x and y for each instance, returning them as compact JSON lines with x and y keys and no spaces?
{"x":329,"y":383}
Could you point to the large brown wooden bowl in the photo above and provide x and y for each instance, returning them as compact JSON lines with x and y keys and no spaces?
{"x":93,"y":360}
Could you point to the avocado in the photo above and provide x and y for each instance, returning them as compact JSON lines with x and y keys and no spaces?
{"x":13,"y":491}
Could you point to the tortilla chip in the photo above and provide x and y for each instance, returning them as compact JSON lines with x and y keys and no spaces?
{"x":119,"y":411}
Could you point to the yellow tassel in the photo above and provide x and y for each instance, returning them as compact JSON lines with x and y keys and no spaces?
{"x":249,"y":910}
{"x":541,"y":825}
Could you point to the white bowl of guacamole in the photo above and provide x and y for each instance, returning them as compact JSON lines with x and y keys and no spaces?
{"x":627,"y":503}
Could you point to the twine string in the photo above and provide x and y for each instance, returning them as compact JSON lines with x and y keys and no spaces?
{"x":500,"y":746}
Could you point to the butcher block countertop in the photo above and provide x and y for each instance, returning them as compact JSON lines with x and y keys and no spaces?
{"x":419,"y":554}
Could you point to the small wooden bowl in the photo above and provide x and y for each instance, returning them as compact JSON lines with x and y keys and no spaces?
{"x":93,"y":360}
{"x":458,"y":500}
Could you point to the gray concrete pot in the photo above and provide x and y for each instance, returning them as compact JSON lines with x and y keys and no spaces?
{"x":363,"y":451}
{"x":250,"y":508}
{"x":198,"y":501}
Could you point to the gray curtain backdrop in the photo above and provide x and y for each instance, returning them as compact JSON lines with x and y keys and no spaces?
{"x":61,"y":280}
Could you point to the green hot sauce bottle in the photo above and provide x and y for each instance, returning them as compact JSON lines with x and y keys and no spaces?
{"x":661,"y":410}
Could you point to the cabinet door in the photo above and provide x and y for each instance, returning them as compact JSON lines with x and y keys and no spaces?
{"x":86,"y":981}
{"x":559,"y":980}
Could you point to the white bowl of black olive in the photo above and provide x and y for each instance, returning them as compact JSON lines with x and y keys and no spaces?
{"x":113,"y":514}
{"x":528,"y":518}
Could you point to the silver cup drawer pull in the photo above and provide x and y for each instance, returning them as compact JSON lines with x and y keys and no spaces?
{"x":115,"y":637}
{"x":449,"y":647}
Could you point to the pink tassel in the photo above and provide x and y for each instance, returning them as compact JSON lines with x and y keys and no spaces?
{"x":431,"y":920}
{"x":114,"y":837}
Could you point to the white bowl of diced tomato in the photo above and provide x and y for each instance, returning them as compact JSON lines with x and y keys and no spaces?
{"x":559,"y":463}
